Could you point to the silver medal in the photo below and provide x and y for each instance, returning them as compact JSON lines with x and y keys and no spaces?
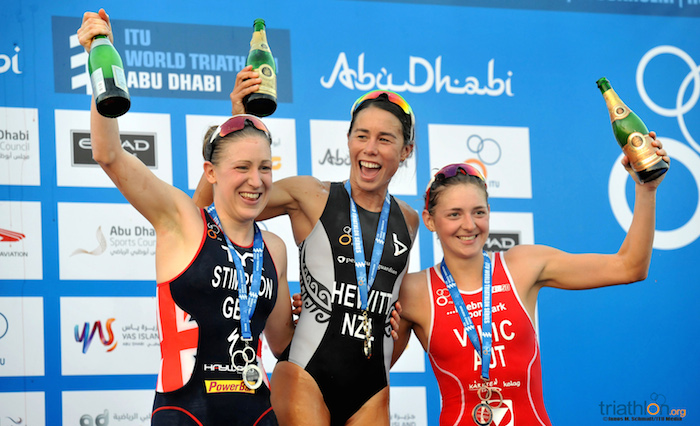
{"x":252,"y":376}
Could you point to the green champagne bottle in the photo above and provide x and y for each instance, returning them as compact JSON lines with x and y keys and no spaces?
{"x":108,"y":79}
{"x":632,"y":135}
{"x":263,"y":102}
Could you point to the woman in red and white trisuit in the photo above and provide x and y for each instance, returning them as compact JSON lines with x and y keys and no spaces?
{"x":457,"y":210}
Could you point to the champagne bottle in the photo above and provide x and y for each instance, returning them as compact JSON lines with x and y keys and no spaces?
{"x":108,"y":79}
{"x":632,"y":135}
{"x":263,"y":102}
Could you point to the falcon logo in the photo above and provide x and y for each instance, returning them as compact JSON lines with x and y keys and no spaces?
{"x":10,"y":236}
{"x":101,"y":245}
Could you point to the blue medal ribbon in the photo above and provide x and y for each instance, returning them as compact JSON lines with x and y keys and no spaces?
{"x":247,"y":299}
{"x":486,"y":326}
{"x":365,"y":281}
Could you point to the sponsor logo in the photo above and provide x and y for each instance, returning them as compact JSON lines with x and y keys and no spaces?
{"x":656,"y":408}
{"x":99,"y":420}
{"x":501,"y":241}
{"x":399,"y":247}
{"x":501,"y":153}
{"x":101,"y":245}
{"x":141,"y":145}
{"x":10,"y":236}
{"x":122,"y":243}
{"x":10,"y":63}
{"x":432,"y":78}
{"x":85,"y":336}
{"x":166,"y":60}
{"x":688,"y":155}
{"x":4,"y":325}
{"x":226,"y":386}
{"x":14,"y":145}
{"x":7,"y":236}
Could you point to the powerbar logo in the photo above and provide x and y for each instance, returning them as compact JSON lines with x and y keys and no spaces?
{"x":141,"y":145}
{"x":226,"y":386}
{"x":169,"y":60}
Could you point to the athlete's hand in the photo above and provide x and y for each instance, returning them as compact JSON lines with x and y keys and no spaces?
{"x":296,"y":306}
{"x":94,"y":24}
{"x":395,"y":320}
{"x":247,"y":82}
{"x":660,"y":151}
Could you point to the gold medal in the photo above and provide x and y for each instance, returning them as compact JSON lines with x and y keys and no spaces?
{"x":367,"y":327}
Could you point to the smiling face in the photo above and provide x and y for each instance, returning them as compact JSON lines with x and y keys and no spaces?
{"x":376,"y":145}
{"x":242,"y":176}
{"x":460,"y":218}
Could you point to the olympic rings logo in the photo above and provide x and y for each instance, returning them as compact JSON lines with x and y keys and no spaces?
{"x":4,"y":325}
{"x":443,"y":297}
{"x":690,"y":231}
{"x":247,"y":355}
{"x":488,"y":150}
{"x":346,"y":238}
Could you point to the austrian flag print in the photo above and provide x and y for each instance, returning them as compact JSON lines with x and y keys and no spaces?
{"x":179,"y":334}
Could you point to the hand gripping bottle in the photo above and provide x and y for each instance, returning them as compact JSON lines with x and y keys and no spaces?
{"x":632,"y":135}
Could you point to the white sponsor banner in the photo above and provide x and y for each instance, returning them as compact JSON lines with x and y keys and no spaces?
{"x":109,"y":335}
{"x":501,"y":153}
{"x":19,"y":146}
{"x":111,"y":407}
{"x":408,"y":406}
{"x":20,"y":240}
{"x":284,"y":145}
{"x":145,"y":135}
{"x":330,"y":158}
{"x":21,"y":336}
{"x":104,"y":242}
{"x":22,"y":408}
{"x":505,"y":229}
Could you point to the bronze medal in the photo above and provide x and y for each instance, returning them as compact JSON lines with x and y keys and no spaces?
{"x":482,"y":414}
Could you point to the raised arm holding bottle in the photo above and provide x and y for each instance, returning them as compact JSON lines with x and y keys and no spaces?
{"x":209,"y":371}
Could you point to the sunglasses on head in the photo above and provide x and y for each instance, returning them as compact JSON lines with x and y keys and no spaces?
{"x":450,"y":171}
{"x":392,"y":97}
{"x":232,"y":125}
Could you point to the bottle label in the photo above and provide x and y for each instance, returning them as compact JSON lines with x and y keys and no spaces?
{"x":619,"y":112}
{"x":98,"y":82}
{"x":100,"y":41}
{"x":259,"y":41}
{"x":640,"y":152}
{"x":119,"y":78}
{"x":269,"y":80}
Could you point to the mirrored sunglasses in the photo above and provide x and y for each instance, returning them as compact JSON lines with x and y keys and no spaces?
{"x":232,"y":125}
{"x":452,"y":170}
{"x":392,"y":97}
